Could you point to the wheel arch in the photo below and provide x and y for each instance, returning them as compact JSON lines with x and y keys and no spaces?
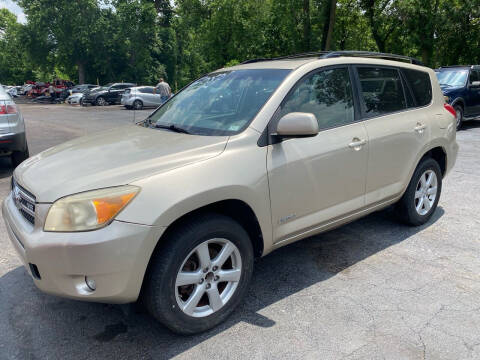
{"x":236,"y":209}
{"x":459,"y":101}
{"x":439,"y":154}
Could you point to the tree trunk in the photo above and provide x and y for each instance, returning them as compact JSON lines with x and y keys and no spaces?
{"x":331,"y":24}
{"x":81,"y":72}
{"x":306,"y":26}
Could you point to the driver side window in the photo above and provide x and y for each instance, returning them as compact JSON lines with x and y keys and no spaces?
{"x":327,"y":94}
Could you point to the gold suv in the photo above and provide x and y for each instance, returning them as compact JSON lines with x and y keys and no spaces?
{"x":241,"y":162}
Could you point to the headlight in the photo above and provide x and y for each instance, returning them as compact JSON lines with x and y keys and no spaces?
{"x":89,"y":210}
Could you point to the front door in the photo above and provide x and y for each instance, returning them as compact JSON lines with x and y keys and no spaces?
{"x":316,"y":180}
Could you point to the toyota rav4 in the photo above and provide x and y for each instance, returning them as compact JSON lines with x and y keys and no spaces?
{"x":241,"y":162}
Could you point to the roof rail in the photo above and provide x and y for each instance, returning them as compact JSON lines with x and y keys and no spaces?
{"x":372,"y":54}
{"x":317,"y":54}
{"x":332,"y":54}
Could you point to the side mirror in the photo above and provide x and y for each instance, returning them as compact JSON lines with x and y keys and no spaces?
{"x":475,"y":84}
{"x":297,"y":124}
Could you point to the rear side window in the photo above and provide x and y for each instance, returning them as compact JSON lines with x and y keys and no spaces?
{"x":419,"y":83}
{"x":327,"y":94}
{"x":382,"y":90}
{"x":146,"y":90}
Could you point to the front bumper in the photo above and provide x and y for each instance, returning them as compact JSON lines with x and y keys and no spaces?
{"x":73,"y":100}
{"x":13,"y":142}
{"x":116,"y":257}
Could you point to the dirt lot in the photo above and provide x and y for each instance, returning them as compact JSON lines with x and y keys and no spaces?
{"x":373,"y":289}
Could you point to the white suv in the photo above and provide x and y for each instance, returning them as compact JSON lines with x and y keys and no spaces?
{"x":241,"y":162}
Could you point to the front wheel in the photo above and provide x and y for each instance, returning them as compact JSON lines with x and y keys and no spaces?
{"x":420,"y":200}
{"x":200,"y":274}
{"x":101,"y":101}
{"x":459,"y":116}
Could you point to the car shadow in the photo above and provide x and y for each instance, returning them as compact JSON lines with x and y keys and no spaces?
{"x":6,"y":167}
{"x":37,"y":325}
{"x":471,"y":124}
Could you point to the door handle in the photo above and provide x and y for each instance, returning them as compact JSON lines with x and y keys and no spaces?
{"x":357,"y":144}
{"x":420,"y":128}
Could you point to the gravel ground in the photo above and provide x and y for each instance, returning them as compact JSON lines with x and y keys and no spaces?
{"x":373,"y":289}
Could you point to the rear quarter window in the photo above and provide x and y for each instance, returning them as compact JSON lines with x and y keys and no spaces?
{"x":419,"y":83}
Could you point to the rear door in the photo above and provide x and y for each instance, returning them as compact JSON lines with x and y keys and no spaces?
{"x":315,"y":180}
{"x":151,"y":99}
{"x":396,"y":123}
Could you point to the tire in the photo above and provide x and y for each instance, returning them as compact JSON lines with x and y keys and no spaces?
{"x":100,"y":101}
{"x":459,"y":119}
{"x":128,"y":107}
{"x":417,"y":205}
{"x":166,"y":301}
{"x":138,"y":105}
{"x":80,"y":102}
{"x":19,"y":156}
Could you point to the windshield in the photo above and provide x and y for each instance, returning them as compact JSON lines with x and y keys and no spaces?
{"x":452,"y":77}
{"x":221,"y":103}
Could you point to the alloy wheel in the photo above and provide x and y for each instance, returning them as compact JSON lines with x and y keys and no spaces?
{"x":208,"y":277}
{"x":101,"y":101}
{"x":426,"y":192}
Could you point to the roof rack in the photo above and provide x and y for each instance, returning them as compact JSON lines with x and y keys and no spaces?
{"x":333,"y":54}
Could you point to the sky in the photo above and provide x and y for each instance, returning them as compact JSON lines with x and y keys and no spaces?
{"x":14,"y":8}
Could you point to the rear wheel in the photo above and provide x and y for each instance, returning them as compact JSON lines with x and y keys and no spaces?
{"x":200,"y":274}
{"x":420,"y":200}
{"x":138,"y":105}
{"x":459,"y":115}
{"x":19,"y":156}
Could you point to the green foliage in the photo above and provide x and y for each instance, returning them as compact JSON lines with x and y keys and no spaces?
{"x":142,"y":40}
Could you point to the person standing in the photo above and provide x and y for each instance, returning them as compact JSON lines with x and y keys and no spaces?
{"x":163,"y":89}
{"x":51,"y":92}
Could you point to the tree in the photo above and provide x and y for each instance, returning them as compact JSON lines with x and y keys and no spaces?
{"x":13,"y":65}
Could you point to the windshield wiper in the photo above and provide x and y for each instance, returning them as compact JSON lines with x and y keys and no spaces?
{"x":172,"y":127}
{"x":445,"y":85}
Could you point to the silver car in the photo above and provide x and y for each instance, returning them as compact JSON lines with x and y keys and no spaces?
{"x":140,"y":97}
{"x":13,"y":142}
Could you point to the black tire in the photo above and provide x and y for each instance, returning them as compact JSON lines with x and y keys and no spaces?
{"x":80,"y":102}
{"x":128,"y":107}
{"x":138,"y":105}
{"x":19,"y":156}
{"x":101,"y":101}
{"x":159,"y":292}
{"x":459,"y":110}
{"x":406,"y":208}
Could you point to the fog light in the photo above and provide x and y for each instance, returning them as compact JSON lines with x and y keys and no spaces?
{"x":90,"y":283}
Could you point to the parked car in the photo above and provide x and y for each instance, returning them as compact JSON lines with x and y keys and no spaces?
{"x":25,"y":89}
{"x":75,"y":99}
{"x":106,"y":95}
{"x":140,"y":97}
{"x":242,"y":161}
{"x":11,"y":90}
{"x":13,"y":142}
{"x":82,"y":88}
{"x":461,"y":87}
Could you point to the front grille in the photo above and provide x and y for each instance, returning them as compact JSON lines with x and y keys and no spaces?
{"x":24,"y":201}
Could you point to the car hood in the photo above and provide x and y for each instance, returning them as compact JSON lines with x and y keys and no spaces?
{"x":449,"y":89}
{"x":112,"y":158}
